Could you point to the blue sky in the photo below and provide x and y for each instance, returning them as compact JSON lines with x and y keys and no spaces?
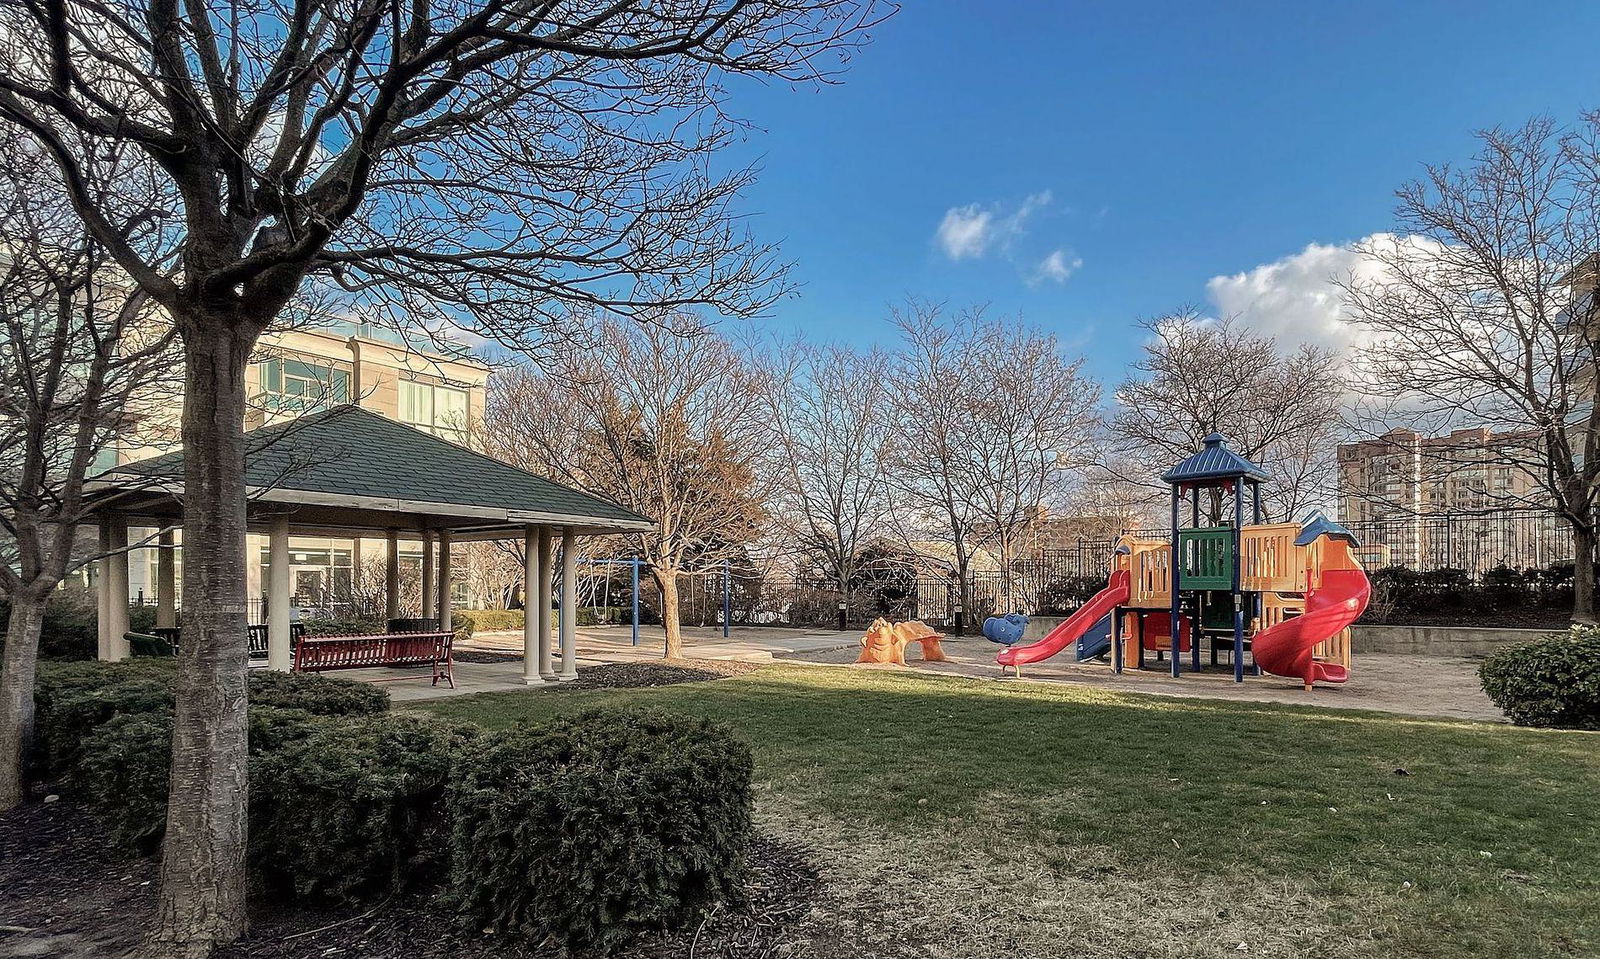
{"x":1161,"y":145}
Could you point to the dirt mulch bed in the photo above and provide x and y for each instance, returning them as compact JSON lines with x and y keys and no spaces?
{"x":62,"y":896}
{"x":664,"y":672}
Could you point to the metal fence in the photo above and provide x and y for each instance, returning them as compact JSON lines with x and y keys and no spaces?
{"x":1474,"y":542}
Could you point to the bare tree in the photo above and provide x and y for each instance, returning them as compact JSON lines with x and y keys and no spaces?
{"x":1280,"y":409}
{"x":827,"y":407}
{"x":77,"y":347}
{"x":665,"y":421}
{"x":499,"y":161}
{"x":1485,"y":314}
{"x":990,"y":419}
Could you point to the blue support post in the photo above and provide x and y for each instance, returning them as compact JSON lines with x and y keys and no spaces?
{"x":727,"y":597}
{"x":1176,"y":575}
{"x":636,"y":601}
{"x":1116,"y":641}
{"x":1195,"y":630}
{"x":1238,"y":579}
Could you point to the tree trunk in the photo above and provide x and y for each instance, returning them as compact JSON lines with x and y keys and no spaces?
{"x":1583,"y":549}
{"x":202,"y":901}
{"x":667,"y":582}
{"x":16,"y":694}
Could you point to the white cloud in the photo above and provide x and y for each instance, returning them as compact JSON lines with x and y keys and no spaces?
{"x":965,"y":231}
{"x":971,"y":231}
{"x":1057,"y":267}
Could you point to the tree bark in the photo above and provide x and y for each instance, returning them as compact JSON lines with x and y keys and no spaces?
{"x":16,"y":694}
{"x":202,"y":900}
{"x":667,"y":582}
{"x":1583,"y":558}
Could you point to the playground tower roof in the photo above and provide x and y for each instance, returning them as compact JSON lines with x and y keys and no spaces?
{"x":1214,"y":462}
{"x":1320,"y":525}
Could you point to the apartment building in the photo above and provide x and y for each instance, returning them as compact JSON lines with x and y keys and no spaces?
{"x":439,"y":390}
{"x":1420,"y":500}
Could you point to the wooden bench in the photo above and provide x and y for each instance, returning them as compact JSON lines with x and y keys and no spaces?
{"x":323,"y":653}
{"x":256,"y":636}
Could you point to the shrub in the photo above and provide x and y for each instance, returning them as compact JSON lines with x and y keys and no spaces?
{"x":122,"y":770}
{"x":121,"y":773}
{"x":69,"y":630}
{"x":73,"y":699}
{"x":487,"y":620}
{"x":319,"y":695}
{"x":1548,"y":682}
{"x":354,"y":808}
{"x":598,"y":826}
{"x":343,"y":626}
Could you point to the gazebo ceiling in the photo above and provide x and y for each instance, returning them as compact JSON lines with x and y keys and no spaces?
{"x":347,"y":469}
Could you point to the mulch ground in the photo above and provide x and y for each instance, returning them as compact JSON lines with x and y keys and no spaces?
{"x":664,"y":672}
{"x":63,"y":896}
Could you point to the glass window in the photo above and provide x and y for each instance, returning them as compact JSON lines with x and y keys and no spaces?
{"x":289,"y":385}
{"x":440,"y":410}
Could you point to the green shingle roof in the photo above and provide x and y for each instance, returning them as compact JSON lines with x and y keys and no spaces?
{"x":350,"y":451}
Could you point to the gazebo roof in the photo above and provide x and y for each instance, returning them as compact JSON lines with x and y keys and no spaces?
{"x":1214,"y":462}
{"x":349,"y":468}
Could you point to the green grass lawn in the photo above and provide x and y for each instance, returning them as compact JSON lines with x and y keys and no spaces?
{"x":959,"y":817}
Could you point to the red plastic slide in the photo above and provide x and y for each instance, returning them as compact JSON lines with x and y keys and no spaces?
{"x":1103,"y":602}
{"x":1285,"y":649}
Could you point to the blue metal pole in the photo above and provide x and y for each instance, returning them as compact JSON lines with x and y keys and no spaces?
{"x":1238,"y":580}
{"x":727,"y":597}
{"x":1175,"y":576}
{"x":636,"y":601}
{"x":1196,"y":624}
{"x":1116,"y":641}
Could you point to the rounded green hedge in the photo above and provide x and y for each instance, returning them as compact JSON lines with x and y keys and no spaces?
{"x":71,"y":700}
{"x":319,"y":695}
{"x":355,"y":808}
{"x":1552,"y":682}
{"x":599,"y":826}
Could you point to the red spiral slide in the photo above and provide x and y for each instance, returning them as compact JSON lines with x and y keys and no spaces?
{"x":1103,"y":602}
{"x":1285,"y":649}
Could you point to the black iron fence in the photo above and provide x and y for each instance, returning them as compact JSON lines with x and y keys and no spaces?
{"x":1472,"y":542}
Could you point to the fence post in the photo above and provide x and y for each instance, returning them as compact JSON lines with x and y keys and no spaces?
{"x":727,"y":597}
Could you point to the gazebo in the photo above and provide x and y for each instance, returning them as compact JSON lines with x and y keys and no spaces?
{"x":347,"y":471}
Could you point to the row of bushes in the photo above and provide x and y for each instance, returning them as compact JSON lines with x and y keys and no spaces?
{"x":587,"y":830}
{"x":1400,"y":590}
{"x":1552,"y":682}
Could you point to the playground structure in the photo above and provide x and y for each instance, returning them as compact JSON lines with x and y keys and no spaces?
{"x":1282,"y":595}
{"x":886,"y":642}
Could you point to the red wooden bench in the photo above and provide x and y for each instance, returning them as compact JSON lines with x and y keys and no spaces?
{"x":316,"y":654}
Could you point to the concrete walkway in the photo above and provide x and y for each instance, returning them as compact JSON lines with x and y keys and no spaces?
{"x":606,"y":644}
{"x":1438,"y":686}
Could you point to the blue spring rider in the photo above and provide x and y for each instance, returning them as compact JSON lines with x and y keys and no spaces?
{"x":1005,"y":630}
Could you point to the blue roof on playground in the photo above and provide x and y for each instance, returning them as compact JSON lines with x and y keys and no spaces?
{"x":1320,"y":525}
{"x":1214,"y":462}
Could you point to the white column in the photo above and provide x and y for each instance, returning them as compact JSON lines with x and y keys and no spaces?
{"x":102,"y":592}
{"x":541,"y":604}
{"x":278,"y":596}
{"x":427,"y":575}
{"x":444,"y":581}
{"x":532,"y":569}
{"x":166,"y":580}
{"x":391,"y":578}
{"x":569,"y":605}
{"x":119,"y":589}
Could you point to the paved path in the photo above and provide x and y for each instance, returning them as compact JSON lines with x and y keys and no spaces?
{"x":1440,"y":686}
{"x":1445,"y":687}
